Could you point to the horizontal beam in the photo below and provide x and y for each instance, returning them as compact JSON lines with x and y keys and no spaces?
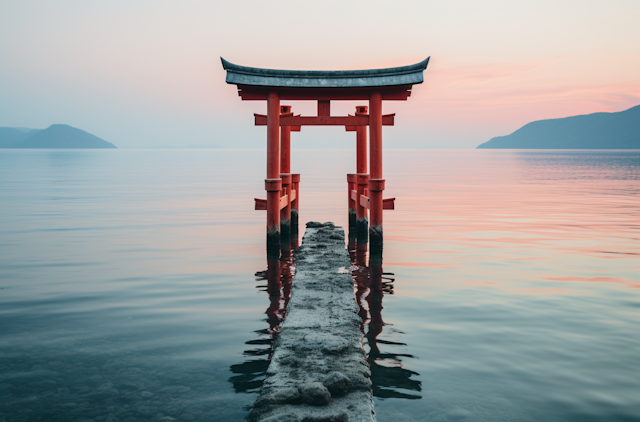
{"x":349,"y":121}
{"x":364,"y":201}
{"x":284,"y":201}
{"x":256,"y":93}
{"x":389,"y":204}
{"x":324,"y":121}
{"x":261,"y":204}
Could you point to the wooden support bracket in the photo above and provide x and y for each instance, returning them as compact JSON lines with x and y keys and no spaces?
{"x":364,"y":201}
{"x":387,"y":204}
{"x":284,"y":200}
{"x":261,"y":204}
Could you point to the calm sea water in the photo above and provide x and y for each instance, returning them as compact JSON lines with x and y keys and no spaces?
{"x":132,"y":284}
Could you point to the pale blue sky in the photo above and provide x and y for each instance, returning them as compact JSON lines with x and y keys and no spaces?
{"x":147,"y":73}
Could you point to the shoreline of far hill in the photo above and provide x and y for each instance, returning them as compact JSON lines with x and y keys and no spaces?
{"x":56,"y":136}
{"x":620,"y":130}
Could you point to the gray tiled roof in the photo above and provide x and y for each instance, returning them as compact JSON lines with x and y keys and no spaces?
{"x":393,"y":76}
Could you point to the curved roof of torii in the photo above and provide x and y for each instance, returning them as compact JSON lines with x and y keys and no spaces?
{"x":393,"y":76}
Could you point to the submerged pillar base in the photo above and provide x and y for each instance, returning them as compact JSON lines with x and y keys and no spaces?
{"x":352,"y":220}
{"x":285,"y":231}
{"x":375,"y":245}
{"x":362,"y":229}
{"x":294,"y":222}
{"x":273,"y":243}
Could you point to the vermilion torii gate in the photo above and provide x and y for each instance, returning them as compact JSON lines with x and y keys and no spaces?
{"x":374,"y":86}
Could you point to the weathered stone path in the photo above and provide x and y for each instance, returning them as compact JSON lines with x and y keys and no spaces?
{"x":318,"y":371}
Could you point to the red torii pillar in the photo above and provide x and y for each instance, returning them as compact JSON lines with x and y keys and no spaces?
{"x":290,"y":181}
{"x":273,"y":182}
{"x":358,"y":182}
{"x":285,"y":224}
{"x":376,"y":182}
{"x":362,"y":177}
{"x":285,"y":175}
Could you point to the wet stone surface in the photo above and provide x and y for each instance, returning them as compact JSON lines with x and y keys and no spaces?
{"x":315,"y":394}
{"x":337,"y":383}
{"x":318,"y":352}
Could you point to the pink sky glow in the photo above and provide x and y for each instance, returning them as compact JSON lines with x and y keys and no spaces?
{"x":148,"y":73}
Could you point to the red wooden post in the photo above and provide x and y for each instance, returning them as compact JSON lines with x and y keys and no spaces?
{"x":273,"y":183}
{"x":376,"y":182}
{"x":285,"y":170}
{"x":362,"y":178}
{"x":351,"y":186}
{"x":285,"y":144}
{"x":324,"y":108}
{"x":295,"y":207}
{"x":361,"y":142}
{"x":362,"y":224}
{"x":285,"y":211}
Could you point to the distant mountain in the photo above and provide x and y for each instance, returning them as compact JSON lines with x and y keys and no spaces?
{"x":11,"y":135}
{"x":26,"y":129}
{"x":619,"y":130}
{"x":55,"y":136}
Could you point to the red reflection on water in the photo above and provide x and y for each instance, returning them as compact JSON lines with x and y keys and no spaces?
{"x":509,"y":216}
{"x":371,"y":283}
{"x":279,"y":277}
{"x":249,"y":375}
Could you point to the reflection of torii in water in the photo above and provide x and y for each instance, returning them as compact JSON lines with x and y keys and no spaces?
{"x":371,"y":285}
{"x":279,"y":275}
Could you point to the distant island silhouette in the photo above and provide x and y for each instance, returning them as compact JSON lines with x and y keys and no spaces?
{"x":619,"y":130}
{"x":55,"y":136}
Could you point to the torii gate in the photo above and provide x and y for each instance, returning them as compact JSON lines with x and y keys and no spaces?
{"x":374,"y":85}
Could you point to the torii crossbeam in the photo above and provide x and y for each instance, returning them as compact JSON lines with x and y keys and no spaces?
{"x":373,"y":85}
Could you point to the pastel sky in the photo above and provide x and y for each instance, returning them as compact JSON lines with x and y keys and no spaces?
{"x":148,"y":73}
